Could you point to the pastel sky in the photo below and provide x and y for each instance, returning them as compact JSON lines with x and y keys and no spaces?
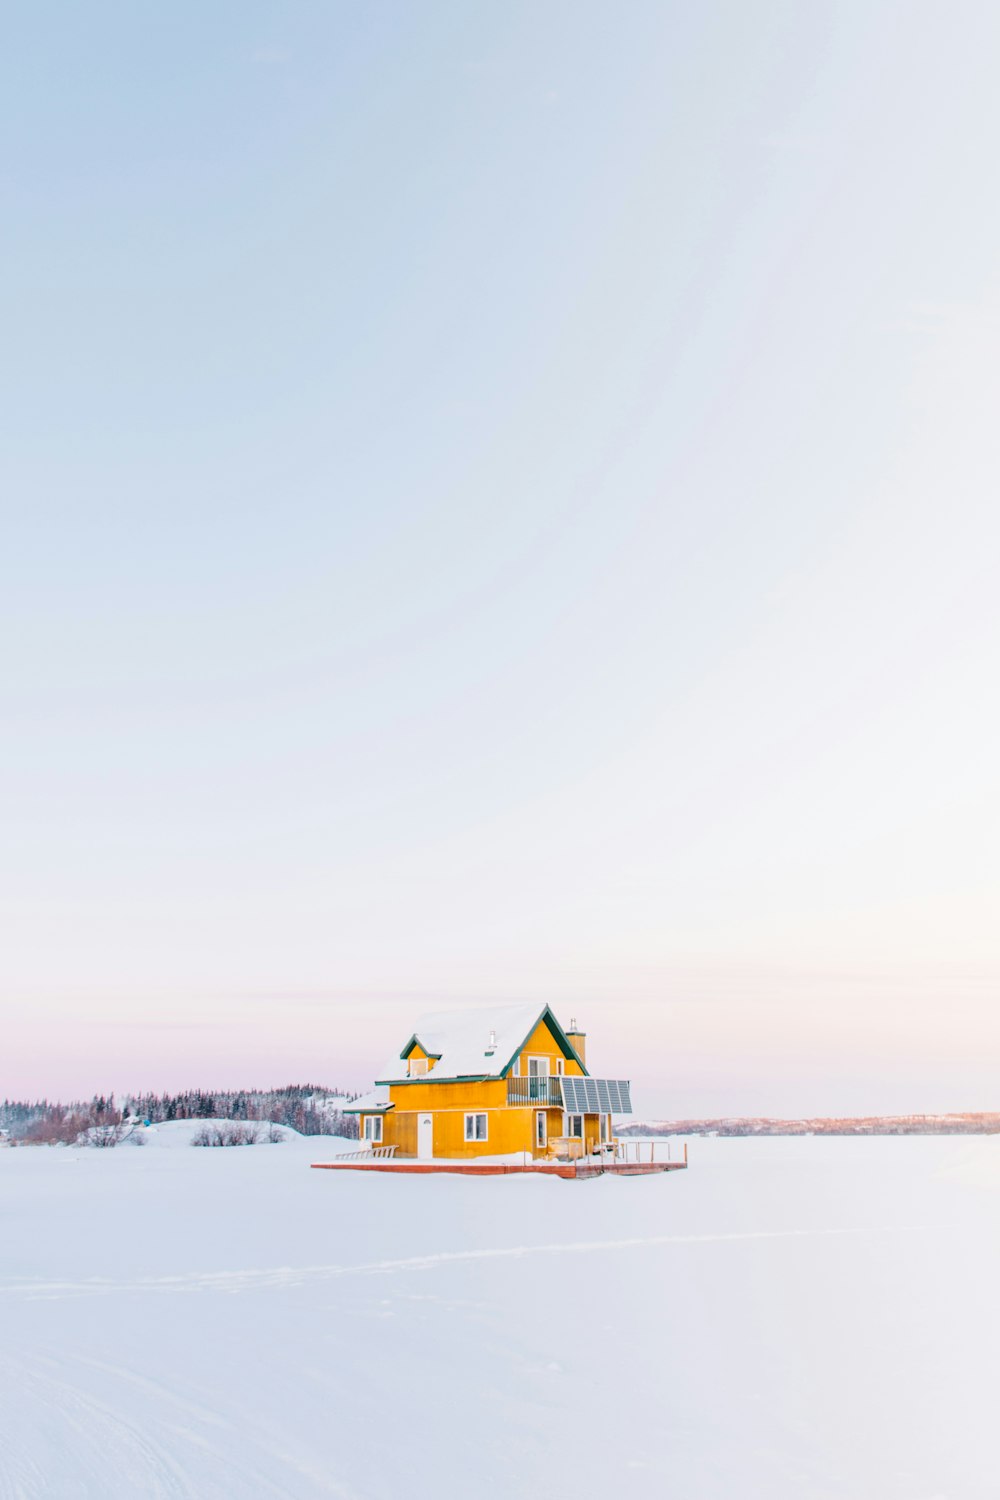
{"x":501,"y":502}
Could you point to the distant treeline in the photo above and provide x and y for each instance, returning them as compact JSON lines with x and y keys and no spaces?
{"x":972,"y":1124}
{"x":308,"y":1108}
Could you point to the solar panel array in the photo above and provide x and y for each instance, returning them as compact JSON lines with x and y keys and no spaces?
{"x":596,"y":1096}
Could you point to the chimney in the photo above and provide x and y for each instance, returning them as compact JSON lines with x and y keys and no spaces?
{"x":578,"y":1040}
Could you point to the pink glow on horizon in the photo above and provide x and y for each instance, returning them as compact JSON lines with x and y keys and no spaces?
{"x":759,"y":1052}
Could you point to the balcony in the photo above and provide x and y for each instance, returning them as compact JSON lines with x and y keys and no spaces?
{"x":578,"y":1096}
{"x":541,"y":1092}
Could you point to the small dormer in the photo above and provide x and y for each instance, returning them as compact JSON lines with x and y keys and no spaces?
{"x":418,"y":1058}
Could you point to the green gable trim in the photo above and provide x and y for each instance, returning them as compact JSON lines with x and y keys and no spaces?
{"x":565,"y":1045}
{"x":416,"y":1042}
{"x":405,"y":1083}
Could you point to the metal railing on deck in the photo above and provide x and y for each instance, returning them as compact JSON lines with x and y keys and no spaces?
{"x":540,"y":1091}
{"x":367,"y":1153}
{"x":618,"y":1152}
{"x":635,"y":1152}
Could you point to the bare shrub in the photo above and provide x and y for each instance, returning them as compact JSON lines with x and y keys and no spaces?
{"x":107,"y":1125}
{"x":100,"y":1124}
{"x":107,"y":1133}
{"x":235,"y":1133}
{"x":59,"y":1127}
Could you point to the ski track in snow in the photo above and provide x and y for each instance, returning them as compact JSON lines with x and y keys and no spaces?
{"x":104,"y":1444}
{"x":109,"y":1450}
{"x":234,"y":1282}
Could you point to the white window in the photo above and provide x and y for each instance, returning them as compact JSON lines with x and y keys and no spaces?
{"x":541,"y":1130}
{"x":418,"y":1067}
{"x":475,"y":1128}
{"x":373,"y":1128}
{"x":515,"y":1067}
{"x":574,"y":1127}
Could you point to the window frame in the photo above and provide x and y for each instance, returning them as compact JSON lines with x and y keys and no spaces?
{"x":475,"y":1115}
{"x":373,"y":1129}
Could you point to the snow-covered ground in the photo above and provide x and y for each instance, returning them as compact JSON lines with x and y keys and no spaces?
{"x":791,"y":1318}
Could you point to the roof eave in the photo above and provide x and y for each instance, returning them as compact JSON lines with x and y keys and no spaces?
{"x":416,"y":1042}
{"x":431,"y":1078}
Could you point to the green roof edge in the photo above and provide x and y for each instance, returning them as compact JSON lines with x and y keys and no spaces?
{"x":568,"y":1050}
{"x":416,"y":1042}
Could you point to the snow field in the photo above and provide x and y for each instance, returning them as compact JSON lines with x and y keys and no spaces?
{"x":790,"y":1318}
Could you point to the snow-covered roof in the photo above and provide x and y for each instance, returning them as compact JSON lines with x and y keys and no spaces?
{"x":471,"y":1043}
{"x":373,"y":1103}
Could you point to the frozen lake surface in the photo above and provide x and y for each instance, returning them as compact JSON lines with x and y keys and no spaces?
{"x":791,"y":1318}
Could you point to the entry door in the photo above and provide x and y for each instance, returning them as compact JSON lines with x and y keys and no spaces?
{"x":425,"y":1135}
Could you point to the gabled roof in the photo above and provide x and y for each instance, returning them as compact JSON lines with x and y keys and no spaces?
{"x":460,"y":1041}
{"x":415,"y":1041}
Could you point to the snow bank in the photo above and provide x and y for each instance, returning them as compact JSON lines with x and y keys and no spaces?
{"x":791,"y":1319}
{"x":174,"y":1133}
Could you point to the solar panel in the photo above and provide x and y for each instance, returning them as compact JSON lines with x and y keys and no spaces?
{"x":596,"y":1096}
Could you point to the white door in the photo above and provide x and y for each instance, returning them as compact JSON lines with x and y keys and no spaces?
{"x":541,"y":1130}
{"x":425,"y":1135}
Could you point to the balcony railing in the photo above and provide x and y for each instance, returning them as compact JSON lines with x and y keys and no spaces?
{"x":539,"y":1091}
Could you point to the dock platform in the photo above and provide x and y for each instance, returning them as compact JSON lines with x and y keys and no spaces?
{"x":570,"y":1171}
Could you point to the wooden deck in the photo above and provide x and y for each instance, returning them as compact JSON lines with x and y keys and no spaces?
{"x":571,"y":1171}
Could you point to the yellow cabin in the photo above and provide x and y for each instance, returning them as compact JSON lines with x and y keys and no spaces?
{"x":493,"y":1083}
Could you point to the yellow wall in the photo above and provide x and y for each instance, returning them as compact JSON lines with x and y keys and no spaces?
{"x":449,"y":1103}
{"x":508,"y":1130}
{"x":541,"y":1043}
{"x":401,"y":1131}
{"x":490,"y":1093}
